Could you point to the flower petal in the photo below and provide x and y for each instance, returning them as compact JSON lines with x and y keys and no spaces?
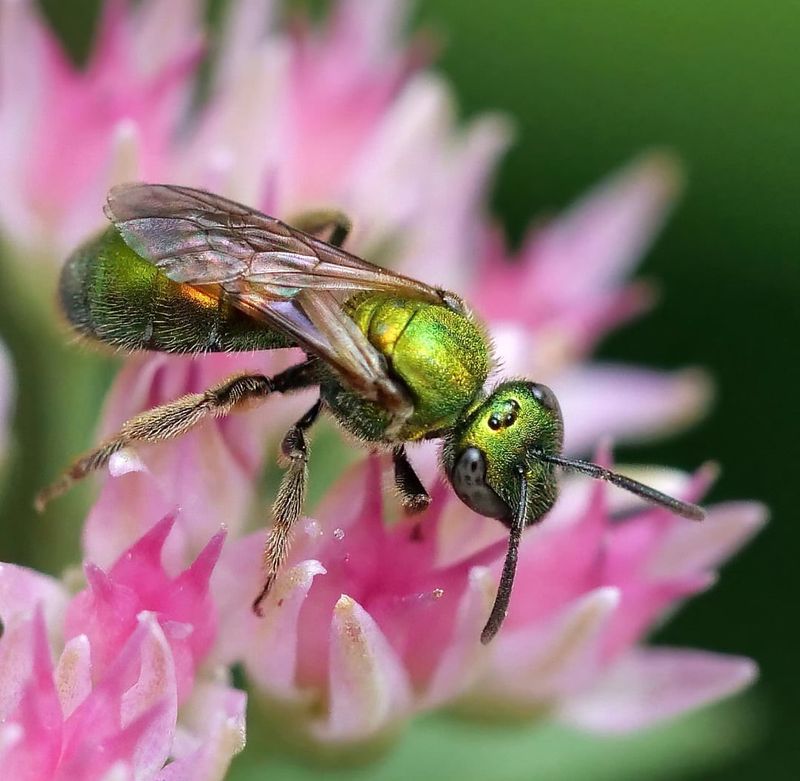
{"x":696,"y":547}
{"x":368,"y":686}
{"x":539,"y":663}
{"x":130,"y":713}
{"x":36,"y":750}
{"x":23,"y":589}
{"x":209,"y":473}
{"x":275,"y":669}
{"x":156,"y":686}
{"x":73,"y":675}
{"x":601,"y":237}
{"x":464,"y":655}
{"x":647,"y":686}
{"x":213,"y":732}
{"x":599,"y":400}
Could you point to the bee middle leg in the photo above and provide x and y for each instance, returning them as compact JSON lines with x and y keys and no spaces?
{"x":177,"y":417}
{"x":289,"y":501}
{"x":413,"y":495}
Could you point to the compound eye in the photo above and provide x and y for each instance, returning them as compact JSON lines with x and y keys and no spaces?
{"x":469,"y":481}
{"x":545,"y":396}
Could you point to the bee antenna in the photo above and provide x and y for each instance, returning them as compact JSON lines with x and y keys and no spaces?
{"x":686,"y":509}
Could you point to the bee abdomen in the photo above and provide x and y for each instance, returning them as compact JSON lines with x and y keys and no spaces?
{"x":111,"y":294}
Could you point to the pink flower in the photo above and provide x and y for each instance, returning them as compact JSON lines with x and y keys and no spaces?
{"x":67,"y":133}
{"x":373,"y":622}
{"x":132,"y":644}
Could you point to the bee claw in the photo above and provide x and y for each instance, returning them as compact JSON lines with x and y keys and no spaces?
{"x":50,"y":492}
{"x":258,"y":602}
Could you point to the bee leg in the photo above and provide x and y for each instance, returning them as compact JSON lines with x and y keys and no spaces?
{"x":177,"y":417}
{"x":413,"y":495}
{"x":319,"y":220}
{"x":289,"y":502}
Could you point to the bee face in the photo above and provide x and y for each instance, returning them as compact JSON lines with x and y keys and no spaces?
{"x":495,"y":441}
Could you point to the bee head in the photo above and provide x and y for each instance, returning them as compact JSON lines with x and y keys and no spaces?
{"x":488,"y":449}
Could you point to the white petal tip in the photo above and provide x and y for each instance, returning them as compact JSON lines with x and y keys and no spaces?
{"x":125,"y":461}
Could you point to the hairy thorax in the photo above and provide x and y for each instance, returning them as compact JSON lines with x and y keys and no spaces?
{"x":439,"y":355}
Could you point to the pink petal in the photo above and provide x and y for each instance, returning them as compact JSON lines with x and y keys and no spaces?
{"x":569,"y":287}
{"x":244,"y":30}
{"x":28,"y":59}
{"x":109,"y":758}
{"x":164,"y":29}
{"x":125,"y":155}
{"x":539,"y":663}
{"x":340,"y":88}
{"x":107,"y":611}
{"x":644,"y":601}
{"x":390,"y":177}
{"x":696,"y":547}
{"x":445,"y":226}
{"x":367,"y":31}
{"x":559,"y":562}
{"x":602,"y":237}
{"x":73,"y":676}
{"x":130,"y":713}
{"x":464,"y":655}
{"x":368,"y":686}
{"x":35,"y":752}
{"x":22,"y":590}
{"x":214,"y":731}
{"x":649,"y":685}
{"x":156,"y":687}
{"x":623,"y":402}
{"x":275,"y":669}
{"x":15,"y":665}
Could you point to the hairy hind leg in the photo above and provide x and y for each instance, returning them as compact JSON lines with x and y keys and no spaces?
{"x":288,"y":504}
{"x":176,"y":418}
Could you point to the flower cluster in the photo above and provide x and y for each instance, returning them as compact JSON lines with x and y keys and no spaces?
{"x":371,"y":621}
{"x":130,"y":647}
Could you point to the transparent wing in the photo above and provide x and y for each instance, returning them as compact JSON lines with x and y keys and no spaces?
{"x":275,"y":273}
{"x":198,"y":238}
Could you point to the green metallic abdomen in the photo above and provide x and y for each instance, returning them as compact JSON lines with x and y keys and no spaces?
{"x":440,"y":355}
{"x":111,"y":294}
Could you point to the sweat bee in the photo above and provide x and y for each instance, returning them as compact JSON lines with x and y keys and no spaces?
{"x":396,"y":361}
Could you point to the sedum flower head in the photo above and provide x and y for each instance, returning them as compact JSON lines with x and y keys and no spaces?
{"x":374,"y":621}
{"x":375,"y":618}
{"x":128,"y":651}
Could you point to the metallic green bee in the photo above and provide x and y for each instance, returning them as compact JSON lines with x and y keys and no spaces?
{"x":395,"y":360}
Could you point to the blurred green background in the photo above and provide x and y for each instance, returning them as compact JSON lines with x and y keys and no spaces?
{"x":589,"y":84}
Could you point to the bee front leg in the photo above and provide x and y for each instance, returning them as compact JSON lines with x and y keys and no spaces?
{"x":413,"y":495}
{"x":288,"y":504}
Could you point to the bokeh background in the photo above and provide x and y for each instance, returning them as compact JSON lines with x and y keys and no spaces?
{"x":589,"y":84}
